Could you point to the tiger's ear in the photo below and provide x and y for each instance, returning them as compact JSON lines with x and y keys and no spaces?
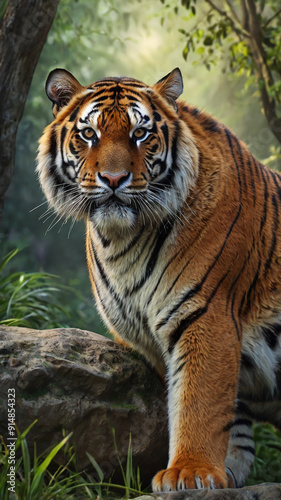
{"x":171,"y":86}
{"x":60,"y":87}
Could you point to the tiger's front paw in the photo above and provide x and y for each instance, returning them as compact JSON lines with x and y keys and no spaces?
{"x":189,"y":477}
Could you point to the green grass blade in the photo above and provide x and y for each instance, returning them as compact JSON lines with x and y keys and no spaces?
{"x":7,"y":258}
{"x":96,"y":467}
{"x":39,"y":475}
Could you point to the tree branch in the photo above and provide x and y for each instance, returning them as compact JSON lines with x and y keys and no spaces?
{"x":238,"y":30}
{"x":233,"y":12}
{"x":271,"y":18}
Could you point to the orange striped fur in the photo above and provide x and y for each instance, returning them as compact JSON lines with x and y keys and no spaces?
{"x":184,"y":255}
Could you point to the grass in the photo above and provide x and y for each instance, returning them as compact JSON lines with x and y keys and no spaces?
{"x":29,"y":299}
{"x":34,"y":300}
{"x":34,"y":481}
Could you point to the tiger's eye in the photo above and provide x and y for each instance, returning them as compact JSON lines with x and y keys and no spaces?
{"x":88,"y":133}
{"x":139,"y":133}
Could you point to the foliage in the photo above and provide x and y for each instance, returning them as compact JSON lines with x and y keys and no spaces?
{"x":274,"y":159}
{"x":35,"y":481}
{"x":268,"y":455}
{"x":28,"y":299}
{"x":31,"y":300}
{"x":246,"y":38}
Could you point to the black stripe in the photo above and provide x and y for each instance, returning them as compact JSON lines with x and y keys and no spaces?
{"x":273,"y":236}
{"x":74,"y":151}
{"x":252,"y":287}
{"x":105,"y":280}
{"x":145,"y":326}
{"x":53,"y":149}
{"x":243,"y":436}
{"x":159,"y":240}
{"x":177,"y":277}
{"x":165,"y":132}
{"x":175,"y":336}
{"x":194,"y":316}
{"x":100,"y":93}
{"x":185,"y":108}
{"x":62,"y":139}
{"x":210,"y":125}
{"x":157,"y":116}
{"x":249,"y":449}
{"x":194,"y":111}
{"x":179,"y":368}
{"x":264,"y":214}
{"x":137,"y":255}
{"x":132,"y":83}
{"x":74,"y":114}
{"x":174,"y":148}
{"x":104,"y":241}
{"x":104,"y":83}
{"x":237,"y":278}
{"x":101,"y":99}
{"x":133,"y":241}
{"x":238,"y":421}
{"x":247,"y":361}
{"x":161,"y":276}
{"x":185,"y":298}
{"x":243,"y":409}
{"x":271,"y":335}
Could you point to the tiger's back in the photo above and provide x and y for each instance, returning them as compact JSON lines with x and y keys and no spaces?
{"x":184,"y":253}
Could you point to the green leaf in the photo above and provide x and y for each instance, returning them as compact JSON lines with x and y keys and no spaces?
{"x":185,"y":52}
{"x":208,"y":40}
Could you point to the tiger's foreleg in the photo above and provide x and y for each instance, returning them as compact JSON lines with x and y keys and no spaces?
{"x":202,"y":386}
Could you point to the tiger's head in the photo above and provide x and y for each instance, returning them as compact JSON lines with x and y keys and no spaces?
{"x":117,"y":152}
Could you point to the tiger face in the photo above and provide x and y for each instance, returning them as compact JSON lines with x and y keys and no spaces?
{"x":115,"y":153}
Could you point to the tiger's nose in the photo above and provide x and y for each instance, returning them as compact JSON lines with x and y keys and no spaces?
{"x":114,"y":180}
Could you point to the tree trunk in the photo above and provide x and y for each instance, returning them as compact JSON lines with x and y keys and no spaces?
{"x":23,"y":32}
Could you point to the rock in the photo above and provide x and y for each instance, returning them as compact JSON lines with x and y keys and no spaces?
{"x":77,"y":381}
{"x":258,"y":492}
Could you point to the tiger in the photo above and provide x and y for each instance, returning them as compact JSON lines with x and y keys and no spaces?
{"x":183,"y":245}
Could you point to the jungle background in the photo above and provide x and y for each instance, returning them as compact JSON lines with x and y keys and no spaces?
{"x":224,"y":73}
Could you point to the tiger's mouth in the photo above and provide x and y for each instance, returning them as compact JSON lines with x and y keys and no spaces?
{"x":112,"y":206}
